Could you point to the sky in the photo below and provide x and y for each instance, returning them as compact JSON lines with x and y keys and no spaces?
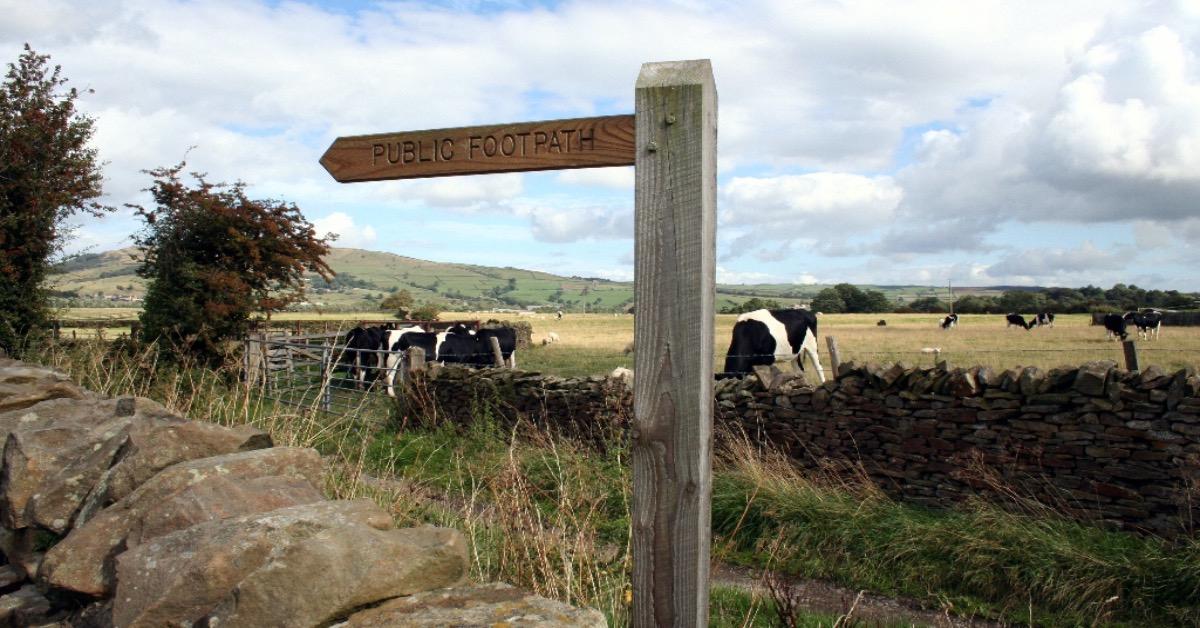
{"x":874,"y":142}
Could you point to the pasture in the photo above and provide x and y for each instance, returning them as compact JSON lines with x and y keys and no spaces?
{"x":592,"y":344}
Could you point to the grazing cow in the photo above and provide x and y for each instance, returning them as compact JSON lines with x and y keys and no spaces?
{"x":1018,"y":320}
{"x":1114,"y":325}
{"x":481,"y":355}
{"x":390,"y":361}
{"x":881,"y":323}
{"x":357,"y":354}
{"x":1147,"y":322}
{"x":1043,"y":319}
{"x":950,"y":322}
{"x":761,"y":336}
{"x":558,"y":315}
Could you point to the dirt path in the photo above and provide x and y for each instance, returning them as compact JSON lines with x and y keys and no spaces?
{"x":825,"y":597}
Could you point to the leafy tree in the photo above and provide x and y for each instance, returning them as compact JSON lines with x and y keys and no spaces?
{"x":751,"y":304}
{"x":400,"y":302}
{"x":214,"y":256}
{"x":976,"y":304}
{"x":855,"y":299}
{"x":1022,"y":301}
{"x":828,"y":301}
{"x":47,"y":175}
{"x":876,"y":301}
{"x":928,"y":305}
{"x":427,"y":311}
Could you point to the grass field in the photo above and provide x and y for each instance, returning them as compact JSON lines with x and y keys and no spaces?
{"x":595,"y":343}
{"x":552,"y":515}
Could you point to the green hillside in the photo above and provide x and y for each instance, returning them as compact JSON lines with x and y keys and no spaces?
{"x":364,"y":277}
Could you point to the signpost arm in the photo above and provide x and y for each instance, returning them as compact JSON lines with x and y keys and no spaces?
{"x":675,"y":211}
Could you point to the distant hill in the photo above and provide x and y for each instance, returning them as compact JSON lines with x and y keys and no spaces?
{"x":364,"y":277}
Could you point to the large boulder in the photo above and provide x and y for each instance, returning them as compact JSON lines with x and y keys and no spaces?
{"x":494,"y":604}
{"x":299,"y":566}
{"x":23,"y":385}
{"x":177,"y":498}
{"x":57,"y":451}
{"x":155,"y":446}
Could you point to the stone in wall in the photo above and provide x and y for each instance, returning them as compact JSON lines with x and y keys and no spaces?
{"x":184,"y":531}
{"x":477,"y":605}
{"x":180,"y":497}
{"x":301,"y":566}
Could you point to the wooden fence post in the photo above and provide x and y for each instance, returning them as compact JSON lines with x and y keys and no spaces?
{"x":675,"y":251}
{"x":1131,"y":355}
{"x":497,"y":355}
{"x":415,"y":358}
{"x":326,"y":377}
{"x":835,"y":358}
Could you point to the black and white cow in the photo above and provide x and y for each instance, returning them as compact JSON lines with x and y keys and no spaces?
{"x":1114,"y":326}
{"x":1043,"y":319}
{"x":360,"y":356}
{"x":1018,"y":320}
{"x":1147,"y":322}
{"x":762,"y":336}
{"x":390,"y":360}
{"x":456,"y":345}
{"x":950,"y":322}
{"x":482,"y":355}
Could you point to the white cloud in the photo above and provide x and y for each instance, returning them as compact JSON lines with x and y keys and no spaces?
{"x":1079,"y":112}
{"x":571,"y":224}
{"x":823,"y":208}
{"x":349,"y":233}
{"x":614,"y":178}
{"x":725,"y":275}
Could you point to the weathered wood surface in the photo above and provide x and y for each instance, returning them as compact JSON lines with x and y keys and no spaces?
{"x":497,"y":354}
{"x":675,"y":210}
{"x":835,"y":356}
{"x":515,"y":147}
{"x":1131,"y":355}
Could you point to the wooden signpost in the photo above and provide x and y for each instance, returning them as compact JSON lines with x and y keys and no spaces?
{"x":671,"y":139}
{"x":517,"y":147}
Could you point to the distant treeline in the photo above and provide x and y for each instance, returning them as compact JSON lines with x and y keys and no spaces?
{"x":1119,"y":298}
{"x":846,"y":298}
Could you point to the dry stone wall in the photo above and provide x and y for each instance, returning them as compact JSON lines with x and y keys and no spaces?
{"x":1095,"y":443}
{"x":117,"y":512}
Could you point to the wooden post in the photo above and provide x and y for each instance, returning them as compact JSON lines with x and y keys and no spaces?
{"x":56,"y":328}
{"x":497,"y":355}
{"x":1131,"y":355}
{"x":326,"y":377}
{"x":415,"y":356}
{"x":675,"y":251}
{"x":835,"y":358}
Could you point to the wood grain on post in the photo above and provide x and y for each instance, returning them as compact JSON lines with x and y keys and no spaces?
{"x":1131,"y":355}
{"x":835,"y":357}
{"x":675,"y":250}
{"x":515,"y":147}
{"x":416,"y":359}
{"x":497,"y":355}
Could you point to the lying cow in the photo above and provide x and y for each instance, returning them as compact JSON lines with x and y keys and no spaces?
{"x":1147,"y":322}
{"x":950,"y":322}
{"x":1114,"y":326}
{"x":1018,"y":320}
{"x":762,"y":336}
